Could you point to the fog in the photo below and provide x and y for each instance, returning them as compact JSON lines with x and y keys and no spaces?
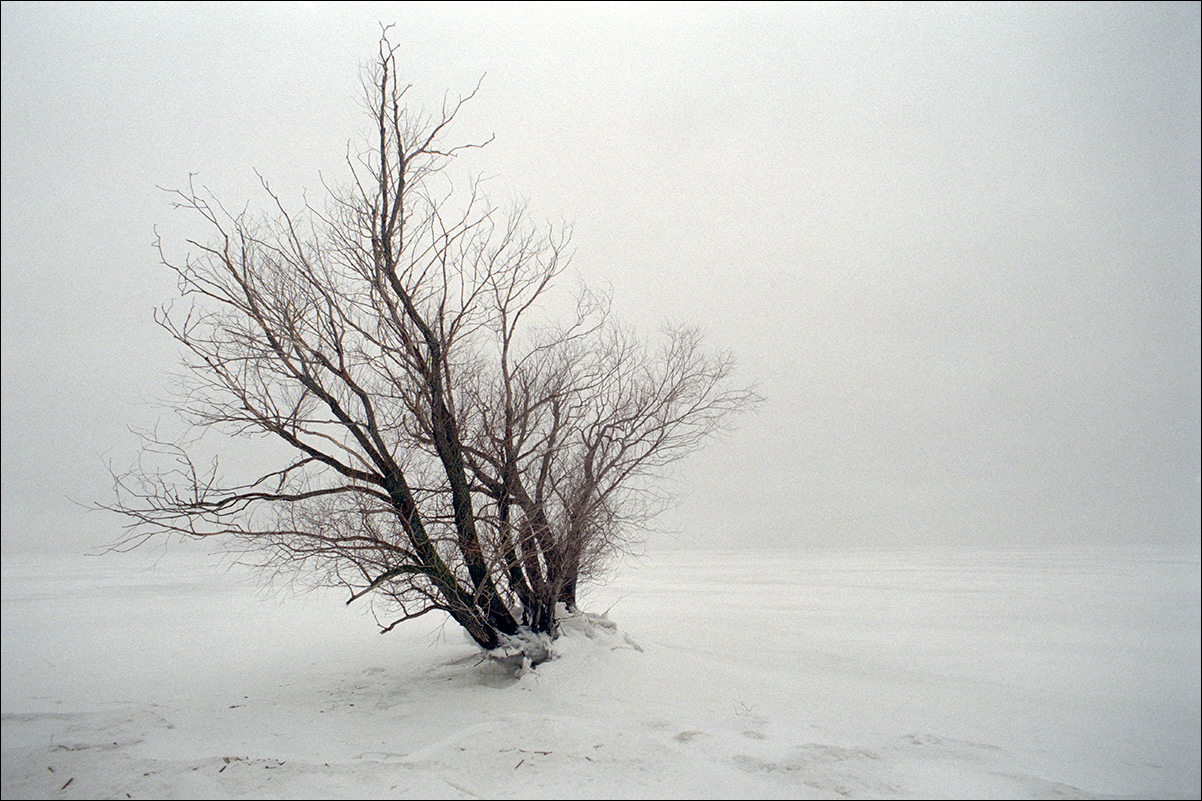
{"x":956,"y":248}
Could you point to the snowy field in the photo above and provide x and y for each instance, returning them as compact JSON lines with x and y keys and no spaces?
{"x":998,"y":674}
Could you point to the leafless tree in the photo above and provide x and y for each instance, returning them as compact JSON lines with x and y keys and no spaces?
{"x":449,"y":452}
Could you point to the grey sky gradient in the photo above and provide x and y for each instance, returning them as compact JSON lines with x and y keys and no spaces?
{"x":956,"y":247}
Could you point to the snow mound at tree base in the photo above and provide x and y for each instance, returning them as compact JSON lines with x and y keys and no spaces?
{"x":577,"y":631}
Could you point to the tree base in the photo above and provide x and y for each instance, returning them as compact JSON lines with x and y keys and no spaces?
{"x":524,"y":651}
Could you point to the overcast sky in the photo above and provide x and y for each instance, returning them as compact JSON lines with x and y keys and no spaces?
{"x":956,"y":247}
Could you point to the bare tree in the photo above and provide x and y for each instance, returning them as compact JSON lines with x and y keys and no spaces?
{"x":449,"y":452}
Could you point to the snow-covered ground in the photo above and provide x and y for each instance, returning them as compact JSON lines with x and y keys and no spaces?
{"x":915,"y":674}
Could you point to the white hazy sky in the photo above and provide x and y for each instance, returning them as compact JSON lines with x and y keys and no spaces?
{"x":955,"y":246}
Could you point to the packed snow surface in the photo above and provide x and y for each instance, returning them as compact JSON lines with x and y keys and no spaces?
{"x":912,"y":674}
